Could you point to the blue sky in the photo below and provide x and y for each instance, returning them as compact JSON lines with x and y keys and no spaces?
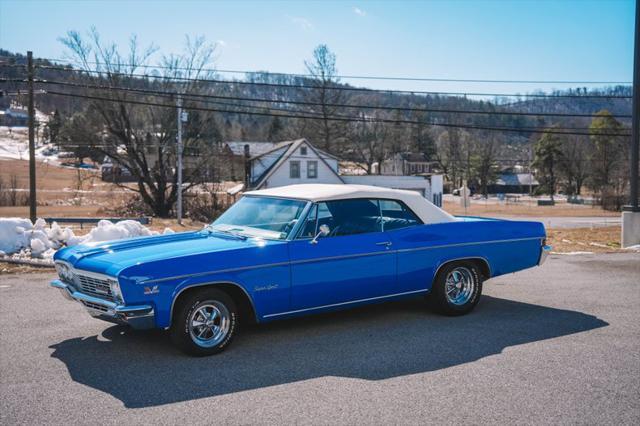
{"x":533,"y":40}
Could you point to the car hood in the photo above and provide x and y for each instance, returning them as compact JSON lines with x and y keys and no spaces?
{"x":111,"y":257}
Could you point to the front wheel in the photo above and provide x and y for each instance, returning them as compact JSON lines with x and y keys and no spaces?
{"x":457,"y":288}
{"x":204,"y":322}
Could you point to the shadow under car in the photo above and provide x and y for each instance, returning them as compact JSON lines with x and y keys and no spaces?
{"x":373,"y":343}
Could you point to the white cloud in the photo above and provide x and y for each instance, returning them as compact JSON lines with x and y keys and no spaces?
{"x":359,"y":11}
{"x":301,"y":22}
{"x":221,"y":43}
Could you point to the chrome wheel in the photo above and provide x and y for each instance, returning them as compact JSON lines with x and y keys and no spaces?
{"x":209,"y":323}
{"x":460,"y":285}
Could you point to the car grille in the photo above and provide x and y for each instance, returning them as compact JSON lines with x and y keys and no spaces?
{"x":95,"y":306}
{"x":95,"y":287}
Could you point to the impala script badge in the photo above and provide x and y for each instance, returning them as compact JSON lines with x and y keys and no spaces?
{"x":265,"y":287}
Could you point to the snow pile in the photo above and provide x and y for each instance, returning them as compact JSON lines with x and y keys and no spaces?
{"x":21,"y":239}
{"x":106,"y":231}
{"x":12,"y":236}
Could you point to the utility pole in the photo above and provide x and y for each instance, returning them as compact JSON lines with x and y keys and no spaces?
{"x":631,"y":213}
{"x":531,"y":172}
{"x":179,"y":149}
{"x":32,"y":142}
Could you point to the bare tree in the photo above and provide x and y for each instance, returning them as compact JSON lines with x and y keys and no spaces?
{"x":325,"y":132}
{"x":142,"y":138}
{"x":369,"y":142}
{"x":574,"y":163}
{"x":483,"y":162}
{"x":450,"y":155}
{"x":610,"y":155}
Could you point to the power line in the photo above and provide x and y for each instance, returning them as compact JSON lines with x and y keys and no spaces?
{"x":196,"y":98}
{"x":337,"y":87}
{"x":308,"y":114}
{"x":337,"y":105}
{"x":351,"y":77}
{"x":342,"y":118}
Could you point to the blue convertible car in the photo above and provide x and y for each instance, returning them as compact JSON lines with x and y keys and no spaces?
{"x":295,"y":250}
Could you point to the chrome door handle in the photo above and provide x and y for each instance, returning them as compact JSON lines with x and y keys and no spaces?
{"x":384,"y":243}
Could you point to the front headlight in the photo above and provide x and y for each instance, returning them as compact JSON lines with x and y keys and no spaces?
{"x":115,"y":290}
{"x":64,"y":272}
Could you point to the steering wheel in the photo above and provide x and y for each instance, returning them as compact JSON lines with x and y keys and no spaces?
{"x":289,"y":226}
{"x":334,"y":231}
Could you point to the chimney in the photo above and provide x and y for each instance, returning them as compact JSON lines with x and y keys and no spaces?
{"x":247,"y":167}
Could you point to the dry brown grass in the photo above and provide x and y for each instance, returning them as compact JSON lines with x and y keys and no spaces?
{"x":59,"y":191}
{"x":596,"y":240}
{"x":528,"y":209}
{"x":48,"y":176}
{"x":7,"y":268}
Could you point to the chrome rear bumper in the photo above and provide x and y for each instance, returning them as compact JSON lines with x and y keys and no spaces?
{"x":544,"y":252}
{"x":138,"y":316}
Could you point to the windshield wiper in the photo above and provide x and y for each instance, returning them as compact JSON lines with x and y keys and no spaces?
{"x":227,"y":232}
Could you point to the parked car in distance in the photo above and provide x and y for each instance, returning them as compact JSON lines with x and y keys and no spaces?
{"x":289,"y":251}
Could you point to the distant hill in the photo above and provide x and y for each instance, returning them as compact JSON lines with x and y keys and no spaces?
{"x":235,"y":126}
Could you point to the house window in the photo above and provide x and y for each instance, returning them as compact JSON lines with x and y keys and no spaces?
{"x":294,"y":169}
{"x":303,"y":150}
{"x":312,"y":169}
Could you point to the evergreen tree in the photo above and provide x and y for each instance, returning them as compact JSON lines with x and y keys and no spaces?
{"x":547,"y":157}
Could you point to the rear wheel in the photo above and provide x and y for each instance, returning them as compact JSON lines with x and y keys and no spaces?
{"x":205,"y":322}
{"x":457,"y":288}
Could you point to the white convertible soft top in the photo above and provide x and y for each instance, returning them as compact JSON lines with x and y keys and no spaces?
{"x":425,"y":210}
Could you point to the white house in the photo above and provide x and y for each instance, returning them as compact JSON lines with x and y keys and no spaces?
{"x":295,"y":162}
{"x":407,"y":163}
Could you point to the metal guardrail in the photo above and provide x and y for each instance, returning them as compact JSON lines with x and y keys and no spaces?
{"x":93,"y":220}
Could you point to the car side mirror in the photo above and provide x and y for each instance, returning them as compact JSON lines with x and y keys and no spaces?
{"x":323,"y":231}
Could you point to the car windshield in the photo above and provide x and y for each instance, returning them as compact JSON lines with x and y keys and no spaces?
{"x":271,"y":218}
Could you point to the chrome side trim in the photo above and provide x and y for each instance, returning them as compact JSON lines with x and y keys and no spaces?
{"x":345,"y":256}
{"x":473,"y":243}
{"x":269,"y":265}
{"x":212,"y":283}
{"x":217,"y":271}
{"x":345,"y":303}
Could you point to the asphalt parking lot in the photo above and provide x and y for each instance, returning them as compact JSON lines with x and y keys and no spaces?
{"x":555,"y":344}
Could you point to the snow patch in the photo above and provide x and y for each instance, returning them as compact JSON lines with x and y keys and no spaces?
{"x":106,"y":231}
{"x":21,"y":239}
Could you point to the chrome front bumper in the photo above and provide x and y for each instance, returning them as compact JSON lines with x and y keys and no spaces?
{"x":544,"y":252}
{"x":138,"y":316}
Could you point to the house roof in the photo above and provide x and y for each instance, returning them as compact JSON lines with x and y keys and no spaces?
{"x":516,"y":179}
{"x":255,"y":148}
{"x":425,"y":210}
{"x":292,"y":146}
{"x":414,"y":156}
{"x":277,"y":146}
